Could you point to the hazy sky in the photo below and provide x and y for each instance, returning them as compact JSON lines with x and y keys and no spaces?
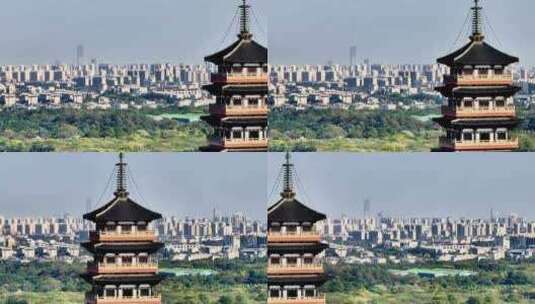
{"x":175,"y":184}
{"x":415,"y":184}
{"x":336,"y":183}
{"x":299,"y":31}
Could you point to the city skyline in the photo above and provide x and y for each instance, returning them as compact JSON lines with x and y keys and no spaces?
{"x":412,"y":185}
{"x":189,"y":184}
{"x":165,"y":33}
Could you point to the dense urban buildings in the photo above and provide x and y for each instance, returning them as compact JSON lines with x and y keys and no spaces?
{"x":295,"y":271}
{"x":239,"y":115}
{"x":480,"y":112}
{"x":124,"y":268}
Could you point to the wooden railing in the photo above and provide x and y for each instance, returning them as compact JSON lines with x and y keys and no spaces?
{"x":295,"y":269}
{"x":241,"y":143}
{"x":223,"y":110}
{"x":304,"y":300}
{"x":485,"y":79}
{"x":508,"y":144}
{"x":256,"y":78}
{"x":509,"y":111}
{"x":122,"y":268}
{"x":114,"y":236}
{"x":125,"y":300}
{"x":278,"y":237}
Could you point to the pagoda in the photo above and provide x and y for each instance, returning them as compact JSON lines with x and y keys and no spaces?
{"x":240,"y":85}
{"x":480,"y":112}
{"x":124,"y":268}
{"x":295,"y":272}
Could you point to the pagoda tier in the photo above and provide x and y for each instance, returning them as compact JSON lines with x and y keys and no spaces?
{"x":124,"y":269}
{"x":239,"y":115}
{"x":480,"y":113}
{"x":295,"y":271}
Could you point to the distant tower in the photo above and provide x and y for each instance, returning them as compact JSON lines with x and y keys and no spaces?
{"x":480,"y":113}
{"x":124,"y":269}
{"x":367,"y":208}
{"x":240,"y":85}
{"x":295,"y":273}
{"x":79,"y":54}
{"x":353,"y":55}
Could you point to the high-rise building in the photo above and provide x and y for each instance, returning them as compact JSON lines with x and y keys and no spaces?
{"x":124,"y":269}
{"x":240,"y":84}
{"x":480,"y":112}
{"x":295,"y":272}
{"x":353,"y":55}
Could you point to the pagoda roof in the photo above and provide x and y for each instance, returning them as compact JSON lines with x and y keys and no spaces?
{"x":478,"y":91}
{"x":243,"y":51}
{"x":125,"y":279}
{"x":235,"y":89}
{"x":296,"y":248}
{"x":477,"y":53}
{"x":313,"y":279}
{"x":290,"y":210}
{"x":119,"y":247}
{"x":478,"y":122}
{"x":231,"y":121}
{"x":122,"y":209}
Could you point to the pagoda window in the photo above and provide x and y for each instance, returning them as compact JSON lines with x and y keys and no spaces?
{"x":144,"y":292}
{"x":310,"y":292}
{"x":110,"y":260}
{"x":237,"y":134}
{"x":468,"y":136}
{"x":292,"y":261}
{"x":276,"y":229}
{"x":254,"y":134}
{"x":275,"y":260}
{"x":253,"y":102}
{"x":291,"y":229}
{"x":500,"y":102}
{"x":142,"y":227}
{"x":274,"y":293}
{"x":484,"y":104}
{"x":468,"y":103}
{"x":109,"y":293}
{"x":292,"y":293}
{"x":306,"y":227}
{"x":498,"y":71}
{"x":237,"y":69}
{"x":501,"y":135}
{"x":127,"y":260}
{"x":484,"y":136}
{"x":126,"y":228}
{"x":143,"y":259}
{"x":252,"y":71}
{"x":308,"y":260}
{"x":128,"y":292}
{"x":111,"y":228}
{"x":237,"y":101}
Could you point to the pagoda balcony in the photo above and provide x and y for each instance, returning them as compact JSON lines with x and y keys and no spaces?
{"x":225,"y":78}
{"x":123,"y":236}
{"x":102,"y":268}
{"x":226,"y":110}
{"x":457,"y":145}
{"x":124,"y":300}
{"x":240,"y":143}
{"x":299,"y":237}
{"x":463,"y":112}
{"x":304,"y":300}
{"x":315,"y":268}
{"x":480,"y":80}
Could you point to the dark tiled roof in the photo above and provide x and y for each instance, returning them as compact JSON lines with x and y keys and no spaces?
{"x":126,"y":279}
{"x":296,"y":248}
{"x":132,"y":247}
{"x":477,"y":122}
{"x":477,"y":53}
{"x":242,"y":51}
{"x":122,"y":209}
{"x":297,"y":279}
{"x":291,"y":210}
{"x":255,"y":89}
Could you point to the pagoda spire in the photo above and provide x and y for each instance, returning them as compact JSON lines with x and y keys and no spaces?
{"x":245,"y":21}
{"x":477,"y":22}
{"x":121,"y":177}
{"x":288,"y":191}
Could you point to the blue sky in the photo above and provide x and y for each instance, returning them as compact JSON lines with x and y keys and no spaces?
{"x":298,"y":31}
